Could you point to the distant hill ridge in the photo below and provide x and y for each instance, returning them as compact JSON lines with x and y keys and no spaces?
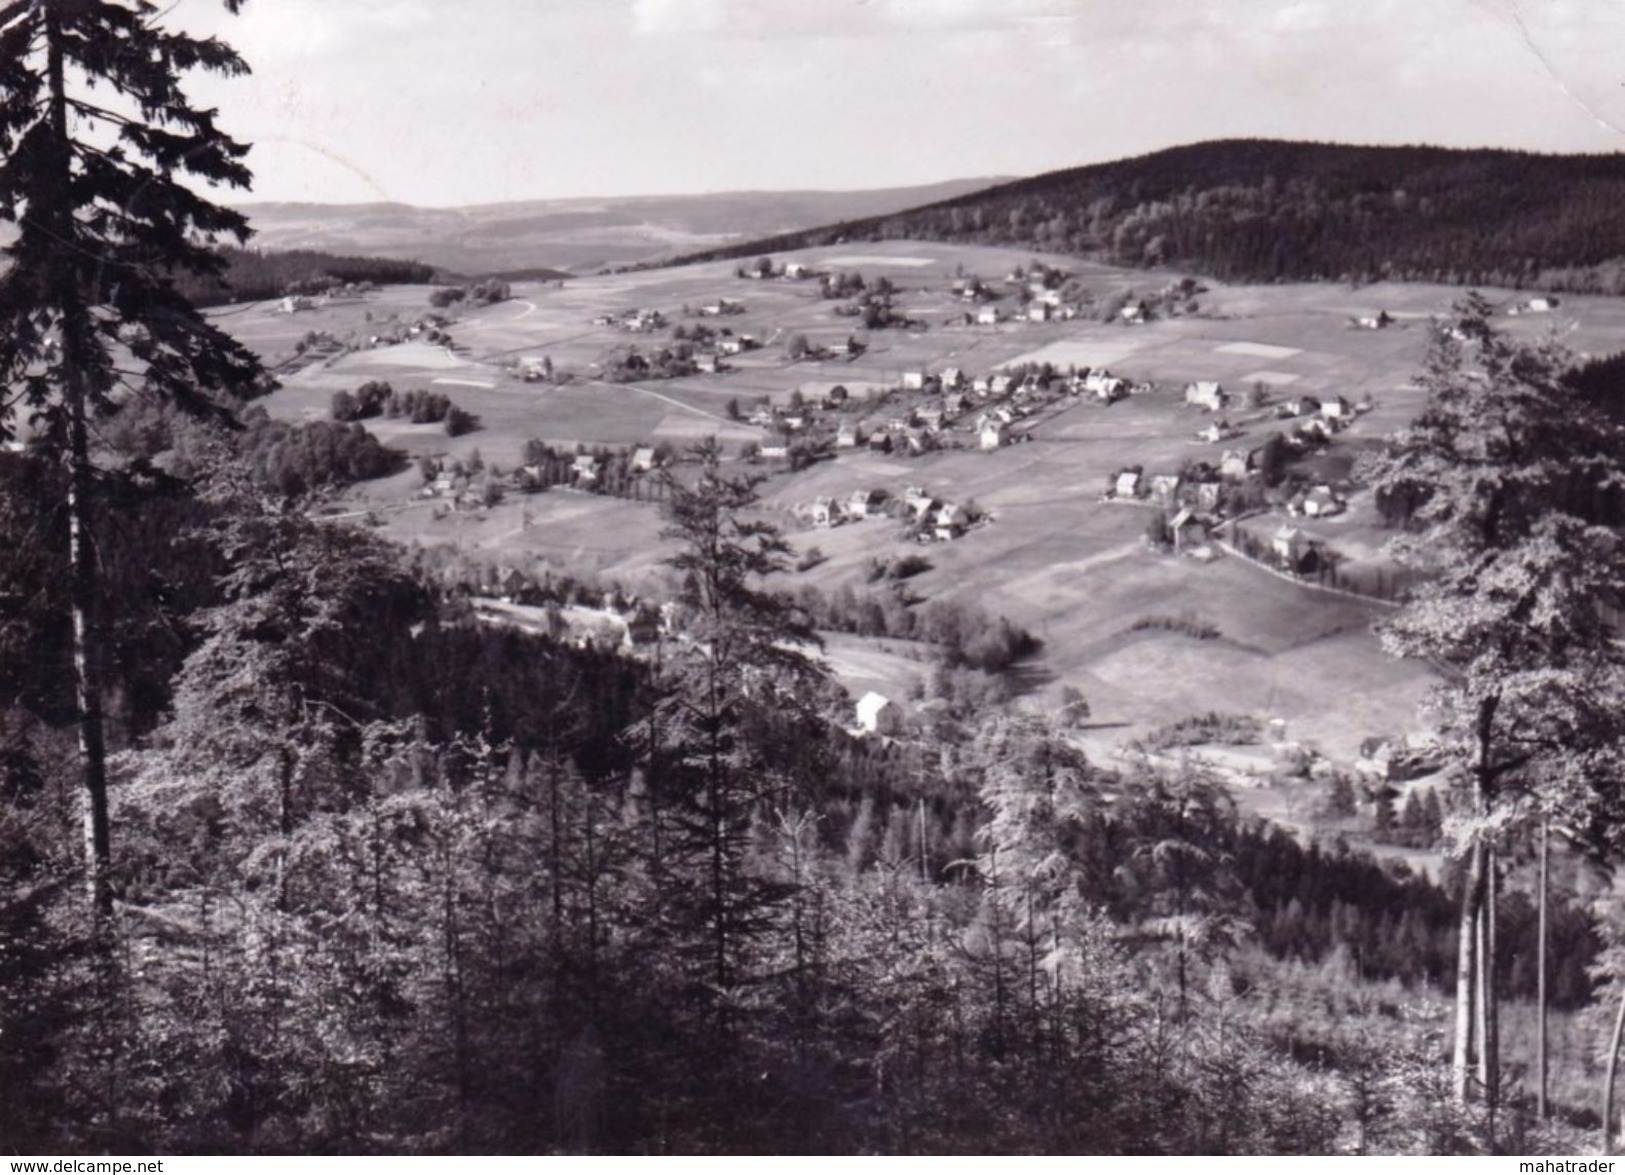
{"x":1265,"y":210}
{"x":574,"y":234}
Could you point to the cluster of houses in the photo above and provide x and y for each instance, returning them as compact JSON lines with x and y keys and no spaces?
{"x":1538,"y":305}
{"x":431,"y":328}
{"x":638,"y":321}
{"x":930,"y":518}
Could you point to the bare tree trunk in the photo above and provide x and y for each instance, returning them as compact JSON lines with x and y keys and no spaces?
{"x":1542,"y":930}
{"x":86,"y":649}
{"x":1466,"y":974}
{"x":84,"y":590}
{"x":1608,"y":1082}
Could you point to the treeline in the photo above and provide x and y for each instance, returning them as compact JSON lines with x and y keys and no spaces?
{"x":252,"y":275}
{"x":1259,"y":210}
{"x":299,"y":459}
{"x":962,"y":633}
{"x":420,"y":406}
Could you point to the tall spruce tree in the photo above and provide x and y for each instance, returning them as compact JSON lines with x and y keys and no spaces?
{"x":97,"y":145}
{"x":1512,"y":471}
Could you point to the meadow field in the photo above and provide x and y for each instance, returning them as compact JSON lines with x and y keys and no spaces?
{"x":1053,"y":557}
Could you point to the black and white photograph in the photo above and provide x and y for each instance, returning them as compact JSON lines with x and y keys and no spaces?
{"x":812,"y":577}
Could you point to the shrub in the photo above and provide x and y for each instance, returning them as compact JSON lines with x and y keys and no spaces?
{"x":1186,"y":622}
{"x":1197,"y":729}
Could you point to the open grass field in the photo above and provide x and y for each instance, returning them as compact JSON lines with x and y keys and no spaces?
{"x":1054,"y":557}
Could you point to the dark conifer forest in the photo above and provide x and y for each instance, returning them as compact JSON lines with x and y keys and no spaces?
{"x":1263,"y":210}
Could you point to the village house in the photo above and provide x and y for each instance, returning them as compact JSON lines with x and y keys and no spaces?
{"x":1289,"y":545}
{"x":993,"y":434}
{"x":1104,"y":386}
{"x":918,"y":502}
{"x":585,"y":468}
{"x":1164,"y":488}
{"x":876,"y":714}
{"x":1233,"y":466}
{"x":848,"y":435}
{"x":951,"y":523}
{"x":1206,"y":393}
{"x":1374,"y":321}
{"x":643,"y":459}
{"x":1187,"y":531}
{"x":860,"y":502}
{"x":1337,"y":408}
{"x":1321,"y":502}
{"x":294,"y":303}
{"x":1038,"y":312}
{"x":953,"y":403}
{"x":1218,"y":431}
{"x":1126,"y":484}
{"x":951,"y":379}
{"x":880,"y":442}
{"x":1298,"y":406}
{"x":777,"y":449}
{"x":999,"y":385}
{"x":1134,"y":314}
{"x":1203,"y":495}
{"x":730,"y":345}
{"x":707,"y":363}
{"x":929,"y":417}
{"x":988,"y":316}
{"x":824,"y":512}
{"x":913,"y":381}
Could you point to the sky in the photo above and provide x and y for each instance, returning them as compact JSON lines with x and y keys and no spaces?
{"x":485,"y":101}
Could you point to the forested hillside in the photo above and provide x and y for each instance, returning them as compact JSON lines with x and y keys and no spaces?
{"x":1258,"y":210}
{"x":251,"y":275}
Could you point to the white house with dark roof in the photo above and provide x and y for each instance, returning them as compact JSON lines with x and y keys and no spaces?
{"x":1207,"y":393}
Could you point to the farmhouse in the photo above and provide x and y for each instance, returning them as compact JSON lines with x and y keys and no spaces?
{"x":880,"y":442}
{"x":1321,"y":502}
{"x":848,"y":435}
{"x":706,"y":362}
{"x":913,"y":381}
{"x":1164,"y":488}
{"x":1234,"y":466}
{"x":951,"y":523}
{"x":876,"y":714}
{"x":1187,"y":531}
{"x":1337,"y":408}
{"x":1205,"y":393}
{"x":1298,"y":406}
{"x":918,"y":502}
{"x":988,"y":316}
{"x":1217,"y":431}
{"x":999,"y":385}
{"x":776,"y":450}
{"x":643,"y":459}
{"x":585,"y":468}
{"x":1374,"y":321}
{"x":824,"y":512}
{"x":860,"y":502}
{"x":1104,"y":386}
{"x":1038,"y":312}
{"x":1133,"y":314}
{"x":993,"y":434}
{"x":1289,"y":544}
{"x":1126,"y":484}
{"x":796,"y":270}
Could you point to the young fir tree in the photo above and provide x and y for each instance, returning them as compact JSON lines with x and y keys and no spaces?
{"x":97,"y":143}
{"x":1517,"y":574}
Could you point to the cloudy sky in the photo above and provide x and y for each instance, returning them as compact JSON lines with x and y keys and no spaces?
{"x":481,"y":101}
